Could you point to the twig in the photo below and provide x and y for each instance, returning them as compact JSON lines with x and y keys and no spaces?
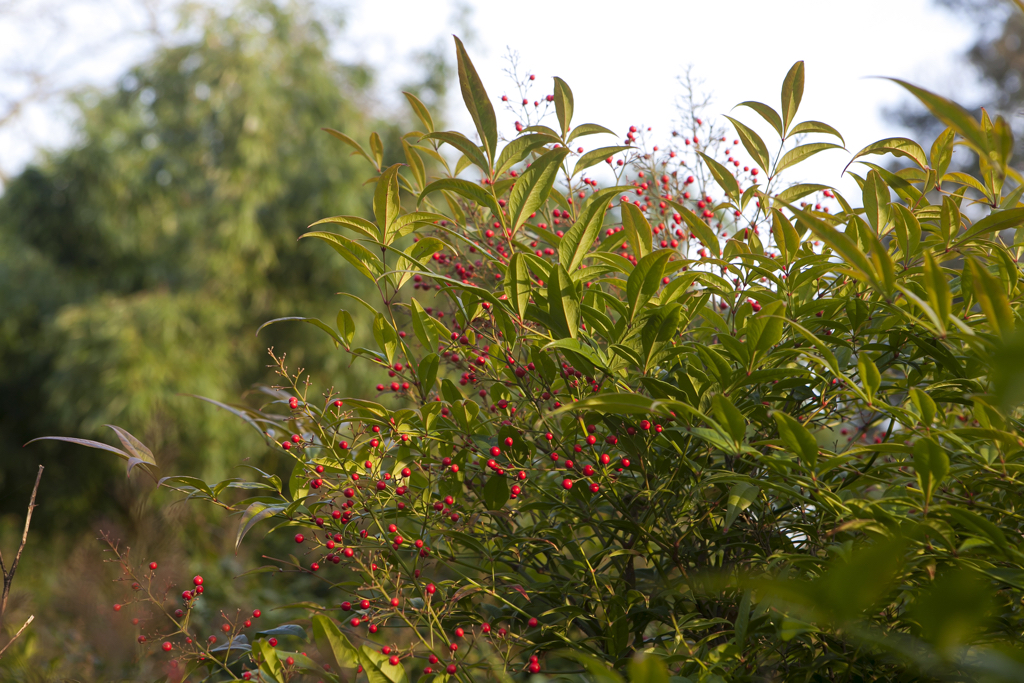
{"x":30,"y":620}
{"x":9,"y":575}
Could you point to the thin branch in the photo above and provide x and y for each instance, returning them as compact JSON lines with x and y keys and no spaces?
{"x":9,"y":575}
{"x":30,"y":620}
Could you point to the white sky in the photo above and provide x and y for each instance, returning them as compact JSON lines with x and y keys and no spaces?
{"x":622,"y":59}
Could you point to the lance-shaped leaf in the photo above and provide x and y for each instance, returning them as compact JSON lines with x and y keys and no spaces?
{"x":876,"y":201}
{"x":351,"y":143}
{"x":359,"y":256}
{"x":802,"y":152}
{"x":698,"y":227}
{"x":638,"y":229}
{"x":768,"y":114}
{"x":563,"y":304}
{"x":723,"y":176}
{"x":797,"y":438}
{"x":471,"y":191}
{"x":645,"y":279}
{"x":952,"y":114}
{"x":464,"y":145}
{"x":931,"y":464}
{"x":563,"y":104}
{"x":764,"y":328}
{"x":792,"y":93}
{"x":815,"y":127}
{"x":741,"y":496}
{"x":729,"y":415}
{"x":589,"y":129}
{"x":753,"y":143}
{"x":596,"y":156}
{"x":253,"y":515}
{"x":514,"y":151}
{"x":870,"y":377}
{"x":517,"y":283}
{"x":422,"y":113}
{"x":316,"y":322}
{"x":578,"y":239}
{"x":360,"y":225}
{"x":988,"y":292}
{"x":476,"y":100}
{"x":901,"y":147}
{"x":386,"y":203}
{"x":533,"y":186}
{"x":332,"y":643}
{"x":937,"y":288}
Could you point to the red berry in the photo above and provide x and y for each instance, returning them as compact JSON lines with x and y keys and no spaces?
{"x":198,"y":581}
{"x":256,"y":614}
{"x":394,"y":660}
{"x":166,"y":646}
{"x":152,"y":566}
{"x":567,"y":484}
{"x":117,"y":608}
{"x":299,"y":538}
{"x":142,"y":639}
{"x":289,"y":661}
{"x":451,"y":669}
{"x":293,"y":403}
{"x":533,"y":622}
{"x":273,"y":642}
{"x":486,"y":628}
{"x":459,"y":633}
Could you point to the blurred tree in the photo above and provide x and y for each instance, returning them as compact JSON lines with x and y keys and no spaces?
{"x":997,"y":60}
{"x":138,"y":265}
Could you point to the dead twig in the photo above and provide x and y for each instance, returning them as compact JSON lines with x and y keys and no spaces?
{"x":9,"y":575}
{"x":4,"y":649}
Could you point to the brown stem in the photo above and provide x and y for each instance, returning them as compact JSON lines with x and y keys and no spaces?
{"x":4,"y":648}
{"x":9,"y":575}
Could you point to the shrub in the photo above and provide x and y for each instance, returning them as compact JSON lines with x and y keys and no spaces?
{"x":691,"y":415}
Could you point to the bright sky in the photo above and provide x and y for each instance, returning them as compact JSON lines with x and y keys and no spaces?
{"x":622,"y":60}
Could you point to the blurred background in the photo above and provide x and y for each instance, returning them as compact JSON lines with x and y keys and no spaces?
{"x":159,"y":158}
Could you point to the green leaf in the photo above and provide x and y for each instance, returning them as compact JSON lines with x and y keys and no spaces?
{"x":316,"y":322}
{"x":988,"y":292}
{"x":471,"y":191}
{"x":588,"y":129}
{"x":942,"y":151}
{"x":952,"y":114}
{"x":937,"y":288}
{"x":533,"y":186}
{"x":795,"y":192}
{"x":638,"y":229}
{"x":624,"y":404}
{"x":925,"y":405}
{"x":596,"y":156}
{"x":423,"y":327}
{"x":753,"y":143}
{"x":764,"y":328}
{"x":346,"y":327}
{"x":645,"y":280}
{"x":563,"y":104}
{"x":768,"y":114}
{"x":908,"y":230}
{"x":513,"y":152}
{"x":422,"y":113}
{"x":464,"y":145}
{"x":815,"y":127}
{"x":83,"y":442}
{"x":386,"y":202}
{"x":931,"y":465}
{"x":377,"y":667}
{"x":792,"y":93}
{"x":385,"y":336}
{"x":578,"y":239}
{"x":563,"y":304}
{"x":647,"y":669}
{"x":870,"y":377}
{"x":270,"y":665}
{"x":359,"y":256}
{"x":517,"y":283}
{"x":798,"y":154}
{"x":352,"y":143}
{"x":728,"y":414}
{"x":355,"y":223}
{"x":254,"y":514}
{"x":797,"y":438}
{"x":495,"y":492}
{"x":699,"y":228}
{"x":741,"y":496}
{"x":726,"y":180}
{"x":996,"y":221}
{"x":427,"y":372}
{"x":876,"y":202}
{"x":901,"y":147}
{"x":476,"y":100}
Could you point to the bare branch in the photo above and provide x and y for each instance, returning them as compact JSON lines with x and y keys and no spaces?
{"x":9,"y":575}
{"x":23,"y":626}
